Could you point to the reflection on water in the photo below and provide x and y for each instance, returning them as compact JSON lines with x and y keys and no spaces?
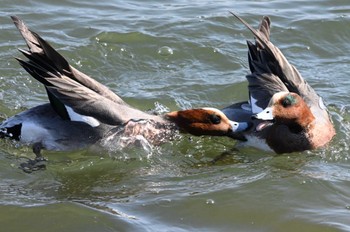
{"x":164,"y":56}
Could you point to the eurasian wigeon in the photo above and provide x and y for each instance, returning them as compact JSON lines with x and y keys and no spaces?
{"x":287,"y":113}
{"x":83,"y":112}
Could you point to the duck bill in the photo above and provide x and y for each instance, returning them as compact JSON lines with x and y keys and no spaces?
{"x":266,"y":114}
{"x":237,"y":130}
{"x":239,"y":126}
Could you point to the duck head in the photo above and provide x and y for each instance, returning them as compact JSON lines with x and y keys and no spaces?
{"x":286,"y":108}
{"x":207,"y":121}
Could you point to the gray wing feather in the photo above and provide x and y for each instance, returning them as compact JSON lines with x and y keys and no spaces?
{"x":86,"y":102}
{"x":270,"y":70}
{"x":71,"y":87}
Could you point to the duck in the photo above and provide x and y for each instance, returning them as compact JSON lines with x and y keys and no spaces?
{"x":82,"y":112}
{"x":286,"y":112}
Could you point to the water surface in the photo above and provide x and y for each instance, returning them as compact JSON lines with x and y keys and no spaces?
{"x":176,"y":187}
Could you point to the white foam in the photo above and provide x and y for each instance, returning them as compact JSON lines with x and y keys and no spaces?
{"x":253,"y":141}
{"x":321,"y":104}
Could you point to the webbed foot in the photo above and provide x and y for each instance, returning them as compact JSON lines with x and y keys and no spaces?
{"x":39,"y":163}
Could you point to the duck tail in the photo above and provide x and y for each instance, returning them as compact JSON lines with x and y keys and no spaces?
{"x":13,"y":132}
{"x":45,"y":62}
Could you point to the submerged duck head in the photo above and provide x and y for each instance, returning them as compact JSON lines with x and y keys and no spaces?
{"x":286,"y":108}
{"x":206,"y":121}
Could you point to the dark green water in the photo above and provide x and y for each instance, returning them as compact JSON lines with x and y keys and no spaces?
{"x":176,"y":187}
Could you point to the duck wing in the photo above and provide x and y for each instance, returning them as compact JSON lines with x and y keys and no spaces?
{"x":270,"y":70}
{"x":66,"y":86}
{"x":40,"y":51}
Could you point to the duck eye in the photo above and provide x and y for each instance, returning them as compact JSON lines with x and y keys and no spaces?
{"x":215,"y":119}
{"x":286,"y":102}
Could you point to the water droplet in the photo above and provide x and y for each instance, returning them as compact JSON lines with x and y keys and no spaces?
{"x":165,"y":51}
{"x":216,"y":50}
{"x":210,"y":202}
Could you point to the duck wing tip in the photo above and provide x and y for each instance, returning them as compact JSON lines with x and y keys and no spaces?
{"x":262,"y":34}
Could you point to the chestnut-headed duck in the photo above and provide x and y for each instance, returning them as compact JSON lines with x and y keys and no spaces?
{"x":287,"y":113}
{"x":82,"y":111}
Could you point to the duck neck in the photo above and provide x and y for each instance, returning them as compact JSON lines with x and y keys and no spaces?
{"x":306,"y":119}
{"x":303,"y":123}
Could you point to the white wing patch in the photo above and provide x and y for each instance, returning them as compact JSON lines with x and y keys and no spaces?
{"x":255,"y":109}
{"x":82,"y":118}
